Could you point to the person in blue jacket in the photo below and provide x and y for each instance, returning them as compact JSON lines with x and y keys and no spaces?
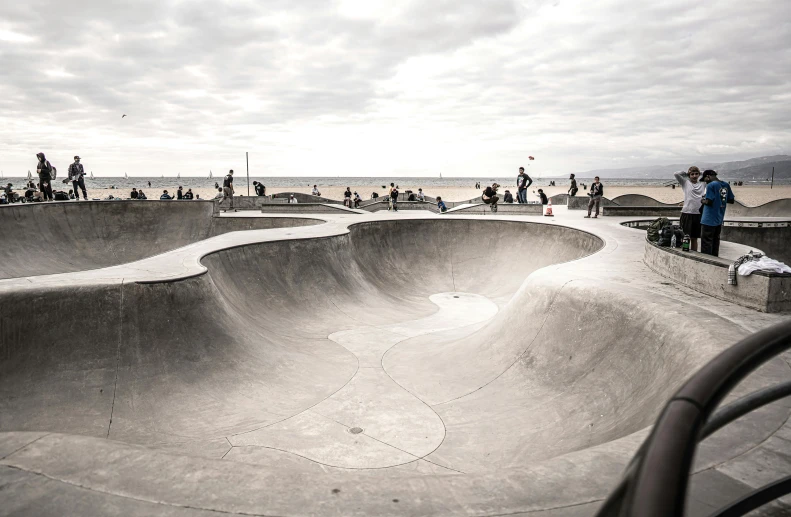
{"x":718,"y":196}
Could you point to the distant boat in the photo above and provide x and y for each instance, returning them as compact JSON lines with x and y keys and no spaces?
{"x":178,"y":176}
{"x":210,"y":175}
{"x":126,"y":177}
{"x":163,"y":175}
{"x":92,"y":175}
{"x":440,"y":175}
{"x":29,"y":176}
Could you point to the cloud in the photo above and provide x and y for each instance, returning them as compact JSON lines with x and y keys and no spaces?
{"x":371,"y":87}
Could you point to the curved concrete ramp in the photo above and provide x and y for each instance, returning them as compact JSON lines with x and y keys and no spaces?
{"x":776,"y":208}
{"x":47,"y":238}
{"x":640,"y":200}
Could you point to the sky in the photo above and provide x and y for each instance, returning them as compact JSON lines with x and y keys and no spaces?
{"x":384,"y":88}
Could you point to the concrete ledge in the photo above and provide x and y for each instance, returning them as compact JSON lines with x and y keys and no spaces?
{"x":658,"y":211}
{"x":766,"y":292}
{"x":402,"y":205}
{"x":502,"y":209}
{"x":306,"y":208}
{"x":247,"y":203}
{"x":581,"y":202}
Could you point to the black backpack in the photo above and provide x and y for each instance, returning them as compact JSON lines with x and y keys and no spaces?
{"x":678,"y":237}
{"x":665,"y":236}
{"x":60,"y":196}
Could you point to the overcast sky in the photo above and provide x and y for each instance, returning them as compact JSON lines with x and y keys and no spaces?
{"x":382,"y":87}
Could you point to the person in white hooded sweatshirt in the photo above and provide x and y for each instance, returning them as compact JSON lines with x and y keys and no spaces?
{"x":694,"y":190}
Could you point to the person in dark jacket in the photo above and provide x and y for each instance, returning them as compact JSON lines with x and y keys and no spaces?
{"x":165,"y":195}
{"x":508,"y":197}
{"x":133,"y":195}
{"x":188,"y":194}
{"x":490,"y":197}
{"x":260,"y":189}
{"x":596,"y":193}
{"x":77,"y":178}
{"x":179,"y":193}
{"x":543,"y":197}
{"x":45,"y":173}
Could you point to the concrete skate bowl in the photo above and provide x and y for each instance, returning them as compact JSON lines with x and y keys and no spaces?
{"x":776,"y":208}
{"x":47,"y":238}
{"x":461,"y":352}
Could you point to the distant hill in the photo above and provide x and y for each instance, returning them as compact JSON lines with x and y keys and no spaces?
{"x":753,"y":169}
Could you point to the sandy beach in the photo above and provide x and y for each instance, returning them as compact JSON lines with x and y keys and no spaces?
{"x":751,"y":196}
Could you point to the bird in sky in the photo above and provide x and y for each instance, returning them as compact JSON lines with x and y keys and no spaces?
{"x":122,"y":116}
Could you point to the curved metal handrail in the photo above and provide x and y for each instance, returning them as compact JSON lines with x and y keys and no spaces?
{"x":656,"y":480}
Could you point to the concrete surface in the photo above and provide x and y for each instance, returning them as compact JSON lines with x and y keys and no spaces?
{"x":46,"y":238}
{"x":654,"y":211}
{"x":502,"y":209}
{"x":767,"y":292}
{"x":493,"y":366}
{"x":581,"y":202}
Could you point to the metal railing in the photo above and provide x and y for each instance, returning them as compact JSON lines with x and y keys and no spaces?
{"x":655,"y":482}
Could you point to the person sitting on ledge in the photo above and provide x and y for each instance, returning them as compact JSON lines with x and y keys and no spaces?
{"x":441,"y":205}
{"x":315,"y":191}
{"x":292,"y":199}
{"x":189,"y":194}
{"x":543,"y":197}
{"x":165,"y":195}
{"x":357,"y":200}
{"x":420,"y":195}
{"x":219,"y":194}
{"x":141,"y":194}
{"x":133,"y":194}
{"x":508,"y":197}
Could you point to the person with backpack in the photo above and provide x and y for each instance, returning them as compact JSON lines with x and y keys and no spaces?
{"x":77,"y":179}
{"x":523,"y":181}
{"x":694,"y":190}
{"x":227,"y":187}
{"x":46,"y":173}
{"x":572,"y":191}
{"x":393,"y":197}
{"x":718,"y":195}
{"x":596,"y":193}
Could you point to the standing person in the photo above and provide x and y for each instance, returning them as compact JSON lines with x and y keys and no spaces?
{"x":179,"y":193}
{"x":227,"y":187}
{"x":596,"y":193}
{"x":523,"y":181}
{"x":260,"y":189}
{"x":45,"y":174}
{"x":694,"y":190}
{"x":77,"y":178}
{"x":149,"y":184}
{"x":573,"y":188}
{"x":489,"y":196}
{"x":718,"y":195}
{"x":394,"y":197}
{"x":347,"y":198}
